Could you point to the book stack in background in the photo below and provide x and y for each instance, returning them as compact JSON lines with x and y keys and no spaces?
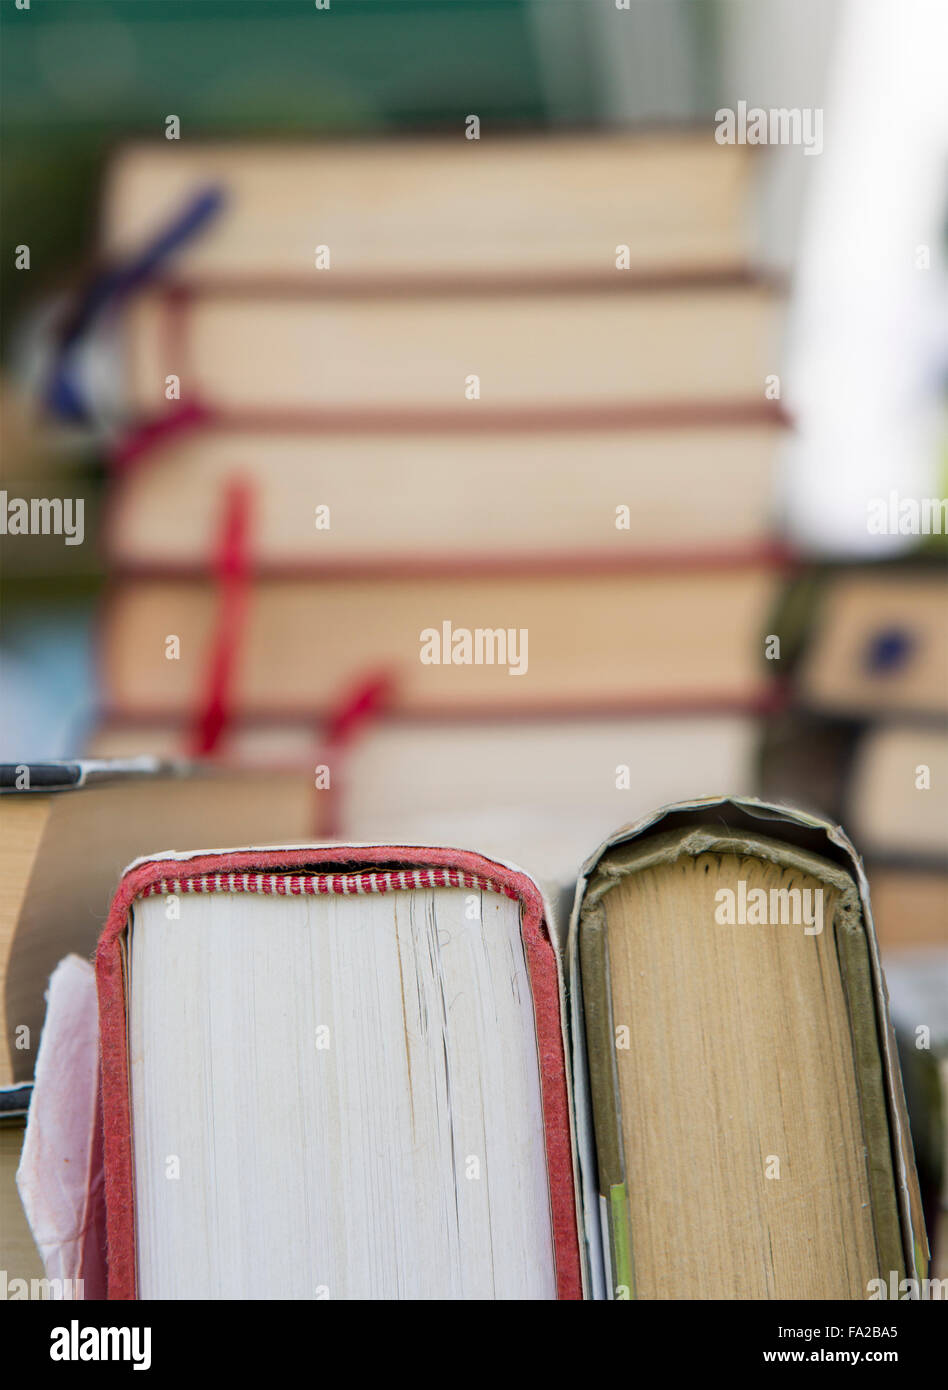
{"x":864,"y":740}
{"x":449,"y":469}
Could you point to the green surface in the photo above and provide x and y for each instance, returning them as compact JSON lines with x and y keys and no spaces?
{"x":79,"y":76}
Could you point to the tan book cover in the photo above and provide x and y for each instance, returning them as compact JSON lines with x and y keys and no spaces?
{"x":514,"y":205}
{"x":401,"y":357}
{"x":879,"y":644}
{"x":464,"y":645}
{"x":325,"y":502}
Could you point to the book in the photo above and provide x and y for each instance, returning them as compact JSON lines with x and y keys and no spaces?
{"x":744,"y":1092}
{"x":476,"y":645}
{"x":898,"y":793}
{"x":879,"y":644}
{"x":518,"y":206}
{"x":910,"y":907}
{"x":534,"y":791}
{"x":401,"y":358}
{"x":379,"y":1033}
{"x":884,"y":778}
{"x":66,"y":832}
{"x":340,"y":503}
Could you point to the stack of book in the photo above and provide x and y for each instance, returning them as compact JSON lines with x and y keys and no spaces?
{"x":443,"y":519}
{"x":448,"y":479}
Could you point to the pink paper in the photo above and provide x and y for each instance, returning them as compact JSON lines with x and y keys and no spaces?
{"x":60,"y":1177}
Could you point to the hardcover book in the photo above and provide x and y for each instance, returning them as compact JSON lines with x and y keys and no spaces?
{"x":469,"y":645}
{"x":729,"y":1011}
{"x":879,"y":644}
{"x":514,"y":206}
{"x":401,"y":358}
{"x":356,"y":1056}
{"x":338,"y":503}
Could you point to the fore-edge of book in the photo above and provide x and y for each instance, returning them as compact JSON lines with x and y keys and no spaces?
{"x":218,"y":870}
{"x":798,"y":829}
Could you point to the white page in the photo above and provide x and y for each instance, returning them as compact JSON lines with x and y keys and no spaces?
{"x":406,"y":1159}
